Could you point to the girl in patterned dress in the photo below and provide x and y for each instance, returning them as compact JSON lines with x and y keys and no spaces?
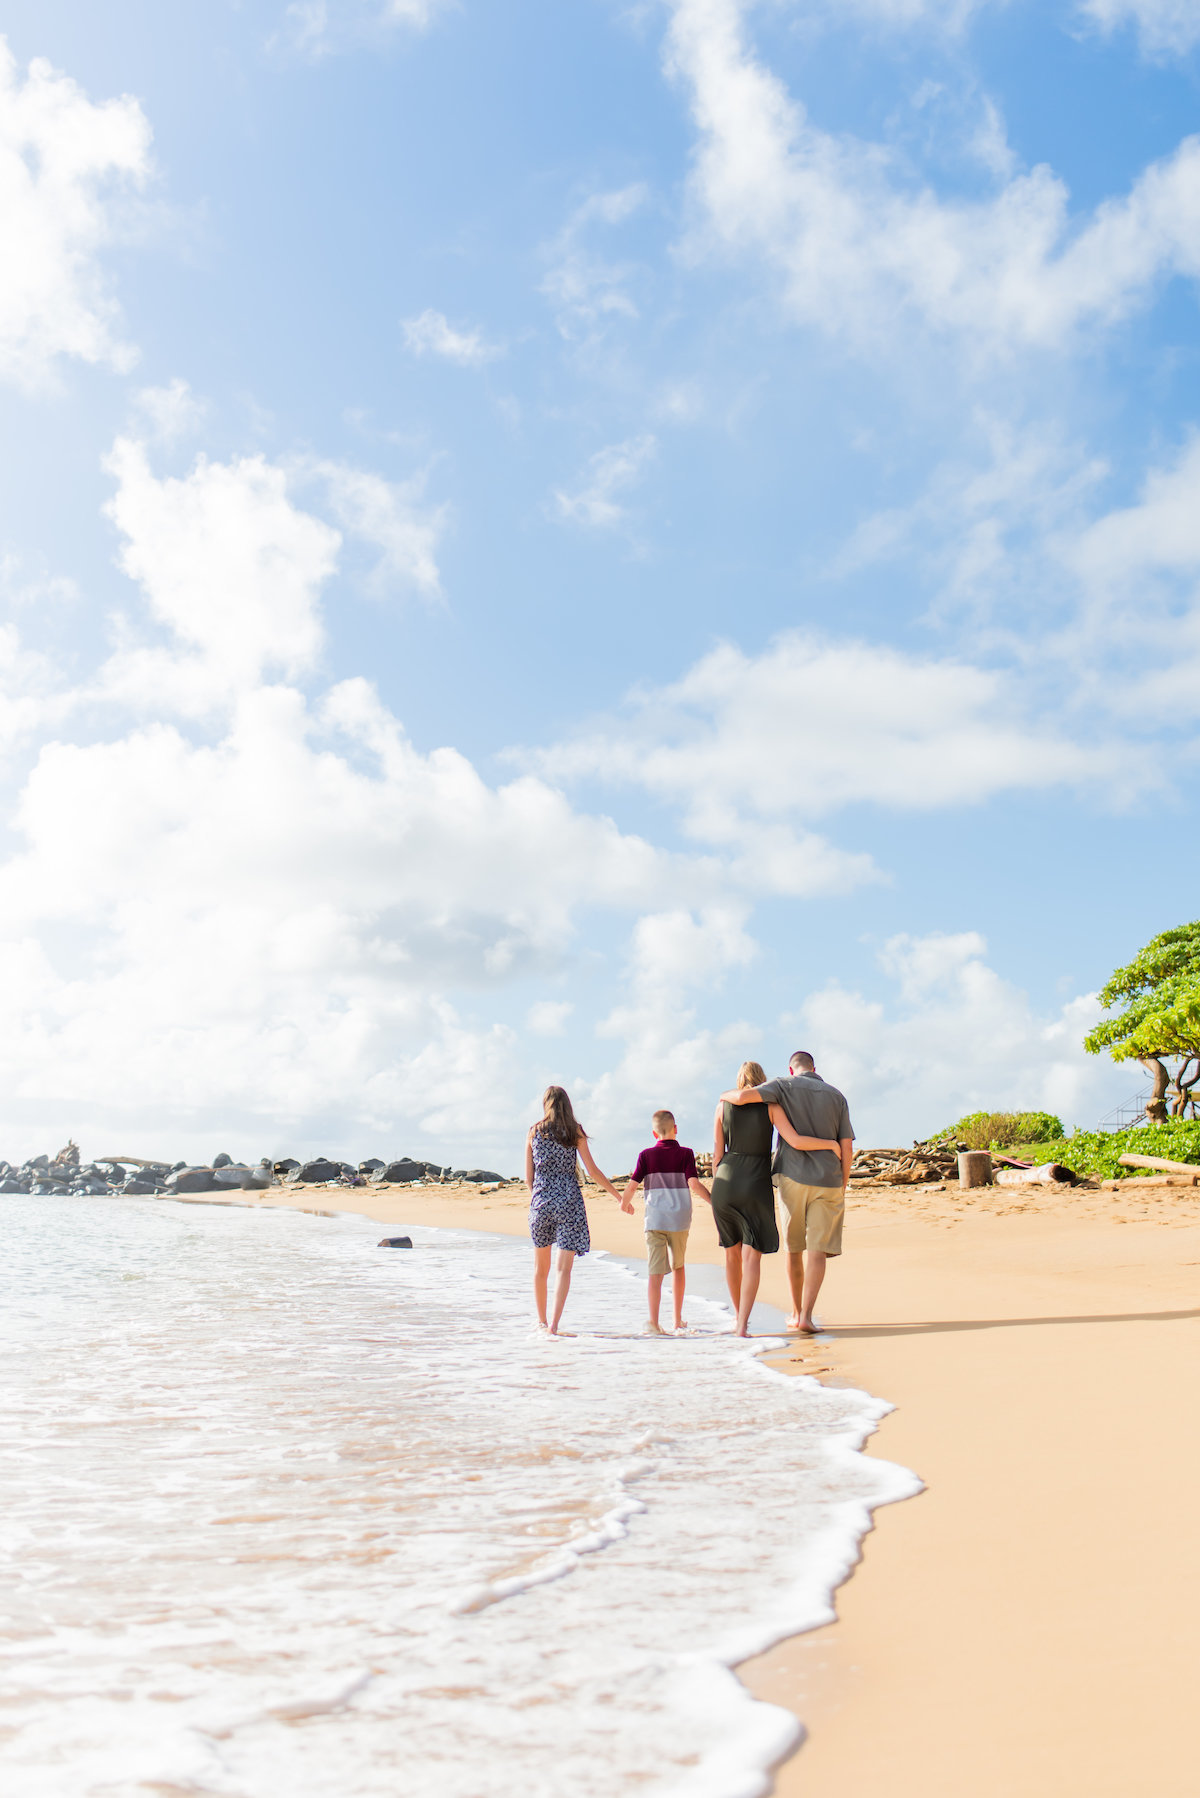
{"x":557,"y":1218}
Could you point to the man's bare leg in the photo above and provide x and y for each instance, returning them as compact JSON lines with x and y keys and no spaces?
{"x":679,"y":1278}
{"x":541,"y":1278}
{"x":562,"y":1286}
{"x":812,"y":1282}
{"x":733,"y":1276}
{"x":751,"y":1273}
{"x":654,"y":1296}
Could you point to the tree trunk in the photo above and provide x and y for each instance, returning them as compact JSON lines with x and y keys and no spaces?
{"x":974,"y":1168}
{"x":1156,"y":1105}
{"x":1184,"y":1097}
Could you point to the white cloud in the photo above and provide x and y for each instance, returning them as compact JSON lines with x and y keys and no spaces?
{"x":390,"y":515}
{"x":1162,"y":25}
{"x":170,"y":412}
{"x":610,"y":472}
{"x":955,"y":1038}
{"x":64,"y":163}
{"x":586,"y":289}
{"x":316,"y":28}
{"x":228,"y":565}
{"x":811,"y":726}
{"x":549,"y":1016}
{"x":855,"y":244}
{"x":432,"y":334}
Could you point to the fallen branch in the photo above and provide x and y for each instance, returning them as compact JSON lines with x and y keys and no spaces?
{"x":1156,"y":1161}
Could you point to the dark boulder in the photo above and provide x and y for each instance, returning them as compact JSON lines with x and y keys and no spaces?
{"x":364,"y":1167}
{"x":11,"y":1184}
{"x":405,"y":1169}
{"x":222,"y":1160}
{"x":36,"y":1164}
{"x":478,"y":1176}
{"x":260,"y":1177}
{"x":139,"y":1187}
{"x":191,"y":1179}
{"x":230,"y":1173}
{"x":321,"y":1169}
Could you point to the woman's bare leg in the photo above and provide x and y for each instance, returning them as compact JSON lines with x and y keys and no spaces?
{"x":733,"y":1276}
{"x":541,"y":1278}
{"x":562,"y":1285}
{"x":751,"y":1274}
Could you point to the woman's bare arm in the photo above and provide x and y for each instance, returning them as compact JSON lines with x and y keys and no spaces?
{"x":585,"y":1155}
{"x":529,"y":1159}
{"x":793,"y":1141}
{"x":718,"y":1136}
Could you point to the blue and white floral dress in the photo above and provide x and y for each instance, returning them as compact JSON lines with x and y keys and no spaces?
{"x":556,"y":1211}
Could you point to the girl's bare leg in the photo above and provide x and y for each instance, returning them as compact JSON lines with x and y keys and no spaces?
{"x":541,"y":1278}
{"x":562,"y":1284}
{"x":733,"y":1276}
{"x":751,"y":1274}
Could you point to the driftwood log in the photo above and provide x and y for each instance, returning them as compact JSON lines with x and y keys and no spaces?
{"x":1157,"y":1162}
{"x":974,"y":1168}
{"x":1045,"y":1174}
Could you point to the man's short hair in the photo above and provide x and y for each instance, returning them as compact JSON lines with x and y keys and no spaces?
{"x":663,"y":1121}
{"x":802,"y":1063}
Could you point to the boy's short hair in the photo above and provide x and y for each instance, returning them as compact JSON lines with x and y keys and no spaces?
{"x":663,"y":1121}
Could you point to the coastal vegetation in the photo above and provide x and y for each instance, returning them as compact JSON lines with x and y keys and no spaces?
{"x":1002,"y":1129}
{"x":1097,"y":1153}
{"x":1160,"y":1022}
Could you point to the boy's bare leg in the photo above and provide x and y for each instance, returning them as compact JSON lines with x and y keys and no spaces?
{"x":654,"y":1295}
{"x":733,"y":1276}
{"x":680,"y":1279}
{"x":562,"y":1286}
{"x":541,"y":1278}
{"x":751,"y":1274}
{"x":805,"y":1284}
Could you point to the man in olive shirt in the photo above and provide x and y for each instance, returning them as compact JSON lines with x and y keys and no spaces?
{"x":812,"y":1182}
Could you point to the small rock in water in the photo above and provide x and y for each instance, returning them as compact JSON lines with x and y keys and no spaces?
{"x":396,"y":1242}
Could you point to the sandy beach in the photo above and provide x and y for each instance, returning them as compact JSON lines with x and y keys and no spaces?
{"x":1029,"y":1624}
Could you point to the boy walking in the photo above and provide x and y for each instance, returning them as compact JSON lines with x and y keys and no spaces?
{"x":668,"y":1174}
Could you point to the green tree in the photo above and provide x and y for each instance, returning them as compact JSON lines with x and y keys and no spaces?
{"x":1160,"y":1021}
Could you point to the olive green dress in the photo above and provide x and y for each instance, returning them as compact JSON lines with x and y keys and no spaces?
{"x":743,"y":1198}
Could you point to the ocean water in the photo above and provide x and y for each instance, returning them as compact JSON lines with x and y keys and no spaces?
{"x":283,"y":1514}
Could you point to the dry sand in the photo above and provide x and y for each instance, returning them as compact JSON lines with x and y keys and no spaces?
{"x":1031,"y":1623}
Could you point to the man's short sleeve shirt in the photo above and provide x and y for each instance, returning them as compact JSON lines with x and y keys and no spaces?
{"x":663,"y":1173}
{"x":813,"y":1108}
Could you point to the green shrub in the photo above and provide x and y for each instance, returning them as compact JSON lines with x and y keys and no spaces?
{"x":1097,"y":1152}
{"x":1003,"y":1129}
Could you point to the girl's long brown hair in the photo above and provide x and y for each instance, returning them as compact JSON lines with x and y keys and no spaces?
{"x":559,"y":1120}
{"x":750,"y":1074}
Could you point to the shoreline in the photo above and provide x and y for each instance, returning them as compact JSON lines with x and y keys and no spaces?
{"x":1029,"y":1623}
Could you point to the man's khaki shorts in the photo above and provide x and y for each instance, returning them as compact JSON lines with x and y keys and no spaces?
{"x":665,"y":1250}
{"x":815,"y":1216}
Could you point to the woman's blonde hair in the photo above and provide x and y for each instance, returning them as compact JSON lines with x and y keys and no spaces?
{"x":750,"y":1074}
{"x":558,"y":1119}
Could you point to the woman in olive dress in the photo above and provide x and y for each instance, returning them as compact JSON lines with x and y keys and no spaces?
{"x":743,"y":1198}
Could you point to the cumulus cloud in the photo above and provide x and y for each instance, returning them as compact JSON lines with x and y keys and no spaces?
{"x":432,"y":334}
{"x":854,"y":243}
{"x":170,"y":412}
{"x":953,"y":1037}
{"x":228,"y":565}
{"x":392,"y":516}
{"x":1163,"y":26}
{"x":811,"y":726}
{"x":610,"y":472}
{"x":65,"y":163}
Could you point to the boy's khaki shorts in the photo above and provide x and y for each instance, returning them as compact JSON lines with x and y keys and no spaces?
{"x":814,"y":1214}
{"x":665,"y":1250}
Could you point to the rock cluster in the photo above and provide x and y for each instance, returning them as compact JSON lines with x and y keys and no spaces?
{"x":66,"y":1174}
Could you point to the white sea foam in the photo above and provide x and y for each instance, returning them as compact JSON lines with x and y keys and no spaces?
{"x":285,"y":1513}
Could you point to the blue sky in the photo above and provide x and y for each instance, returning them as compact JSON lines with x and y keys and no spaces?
{"x":585,"y":543}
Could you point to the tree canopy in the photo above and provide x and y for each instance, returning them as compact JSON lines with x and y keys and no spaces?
{"x":1161,"y":1017}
